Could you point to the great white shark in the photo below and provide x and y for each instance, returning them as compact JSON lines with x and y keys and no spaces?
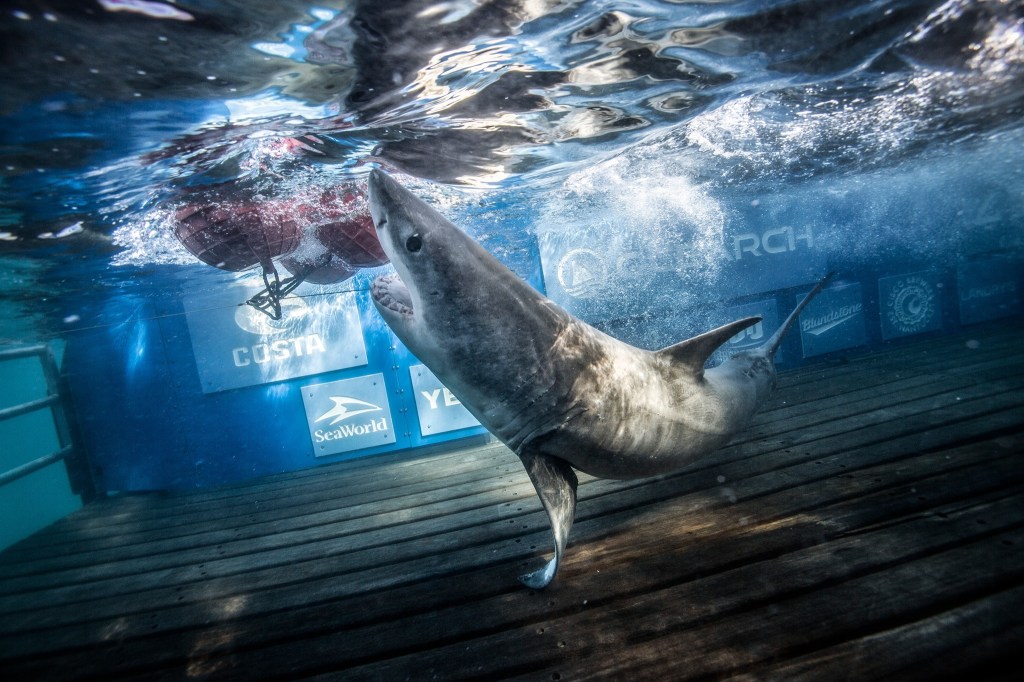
{"x":559,"y":393}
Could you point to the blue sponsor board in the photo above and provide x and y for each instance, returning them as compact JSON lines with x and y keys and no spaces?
{"x":988,"y":289}
{"x":764,"y":259}
{"x":910,"y":304}
{"x":751,"y":337}
{"x":235,"y":345}
{"x":438,"y":410}
{"x":834,"y":320}
{"x":349,"y":414}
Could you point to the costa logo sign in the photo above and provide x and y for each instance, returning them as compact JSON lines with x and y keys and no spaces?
{"x":279,"y":339}
{"x":348,"y":415}
{"x":238,"y":346}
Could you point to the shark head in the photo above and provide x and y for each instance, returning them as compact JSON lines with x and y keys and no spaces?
{"x":437,"y":271}
{"x":418,"y":299}
{"x":453,"y":304}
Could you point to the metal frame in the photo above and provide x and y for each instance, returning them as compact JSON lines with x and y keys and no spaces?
{"x":78,"y":471}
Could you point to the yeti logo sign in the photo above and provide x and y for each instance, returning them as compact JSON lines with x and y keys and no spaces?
{"x":439,"y":411}
{"x":347,"y":415}
{"x":910,"y":304}
{"x":833,"y":321}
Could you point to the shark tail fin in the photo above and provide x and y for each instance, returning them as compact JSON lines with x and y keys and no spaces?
{"x":773,"y":343}
{"x":693,"y":353}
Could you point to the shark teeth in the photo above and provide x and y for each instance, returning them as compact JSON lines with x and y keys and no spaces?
{"x":390,"y":292}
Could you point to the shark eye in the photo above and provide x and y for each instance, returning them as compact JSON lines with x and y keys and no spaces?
{"x":414,"y":243}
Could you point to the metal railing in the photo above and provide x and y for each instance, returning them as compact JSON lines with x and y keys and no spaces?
{"x":78,"y":472}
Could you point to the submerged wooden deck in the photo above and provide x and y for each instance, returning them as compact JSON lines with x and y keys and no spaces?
{"x":868,"y":525}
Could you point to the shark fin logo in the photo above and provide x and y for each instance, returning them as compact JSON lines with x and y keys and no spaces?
{"x":346,"y":408}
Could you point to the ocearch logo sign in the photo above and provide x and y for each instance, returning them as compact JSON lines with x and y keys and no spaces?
{"x":348,"y":415}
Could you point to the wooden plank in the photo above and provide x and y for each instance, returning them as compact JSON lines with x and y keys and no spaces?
{"x":864,"y":604}
{"x":978,"y":640}
{"x":254,"y":524}
{"x":742,"y":546}
{"x":568,"y":645}
{"x":638,"y":494}
{"x":856,"y":490}
{"x":403,"y":528}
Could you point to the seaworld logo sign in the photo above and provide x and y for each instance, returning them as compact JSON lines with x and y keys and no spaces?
{"x":346,"y":408}
{"x":339,"y":421}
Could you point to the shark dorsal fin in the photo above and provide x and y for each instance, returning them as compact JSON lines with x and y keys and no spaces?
{"x":693,"y":353}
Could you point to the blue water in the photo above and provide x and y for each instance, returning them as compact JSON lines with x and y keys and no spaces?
{"x":655,"y":166}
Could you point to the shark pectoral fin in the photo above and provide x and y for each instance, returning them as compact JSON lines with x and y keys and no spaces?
{"x":693,"y":353}
{"x":555,"y":482}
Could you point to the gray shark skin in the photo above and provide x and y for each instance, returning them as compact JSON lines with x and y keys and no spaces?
{"x":561,"y":394}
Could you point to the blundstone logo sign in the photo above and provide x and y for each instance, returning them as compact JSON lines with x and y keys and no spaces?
{"x":439,"y":411}
{"x":910,"y":304}
{"x":833,"y":321}
{"x":236,"y":345}
{"x":816,"y":326}
{"x":347,"y":415}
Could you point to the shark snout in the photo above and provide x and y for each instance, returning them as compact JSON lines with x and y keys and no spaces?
{"x":381,"y":197}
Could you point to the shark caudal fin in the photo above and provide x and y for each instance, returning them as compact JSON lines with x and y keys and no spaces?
{"x":773,"y":343}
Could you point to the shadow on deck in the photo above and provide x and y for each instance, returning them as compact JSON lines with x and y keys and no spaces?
{"x":869,"y":524}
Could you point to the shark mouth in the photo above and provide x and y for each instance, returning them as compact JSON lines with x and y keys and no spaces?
{"x":390,"y":292}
